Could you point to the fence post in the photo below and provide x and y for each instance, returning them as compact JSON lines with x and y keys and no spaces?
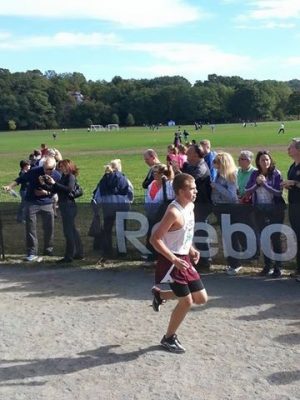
{"x":1,"y":239}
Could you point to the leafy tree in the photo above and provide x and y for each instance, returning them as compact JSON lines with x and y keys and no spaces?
{"x":115,"y":119}
{"x":130,"y":120}
{"x":293,"y":105}
{"x":36,"y":100}
{"x":12,"y":126}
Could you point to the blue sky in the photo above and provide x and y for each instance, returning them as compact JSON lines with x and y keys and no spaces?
{"x":255,"y":39}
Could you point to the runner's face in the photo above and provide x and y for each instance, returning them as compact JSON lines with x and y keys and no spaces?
{"x":190,"y":191}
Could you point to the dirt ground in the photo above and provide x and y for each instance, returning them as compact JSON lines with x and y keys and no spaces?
{"x":89,"y":333}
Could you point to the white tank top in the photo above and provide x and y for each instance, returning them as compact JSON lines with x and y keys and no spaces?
{"x":180,"y":241}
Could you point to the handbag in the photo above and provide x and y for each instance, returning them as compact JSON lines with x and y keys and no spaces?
{"x":95,"y":229}
{"x":76,"y":192}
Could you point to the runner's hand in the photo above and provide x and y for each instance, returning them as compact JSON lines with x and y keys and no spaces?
{"x":181,"y":264}
{"x":195,"y":256}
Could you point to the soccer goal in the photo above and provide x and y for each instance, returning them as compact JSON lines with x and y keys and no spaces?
{"x":96,"y":128}
{"x":111,"y":127}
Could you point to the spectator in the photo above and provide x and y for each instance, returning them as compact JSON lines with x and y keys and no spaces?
{"x":209,"y":156}
{"x":44,"y":149}
{"x":177,"y":138}
{"x":24,"y":168}
{"x":163,"y":176}
{"x":115,"y":193}
{"x":172,"y":154}
{"x":198,"y":169}
{"x":35,"y":158}
{"x":51,"y":153}
{"x":68,"y":209}
{"x":182,"y":156}
{"x":245,"y":210}
{"x":159,"y":191}
{"x":38,"y":200}
{"x":244,"y":171}
{"x":224,"y":197}
{"x":177,"y":155}
{"x":265,"y":187}
{"x":151,"y":159}
{"x":292,"y":184}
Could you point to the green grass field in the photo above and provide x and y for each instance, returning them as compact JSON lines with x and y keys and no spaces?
{"x":91,"y":151}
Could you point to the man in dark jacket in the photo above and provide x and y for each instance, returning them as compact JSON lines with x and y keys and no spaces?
{"x":197,"y":167}
{"x":38,"y":200}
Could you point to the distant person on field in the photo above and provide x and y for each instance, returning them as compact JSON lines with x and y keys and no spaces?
{"x":281,"y":129}
{"x":185,"y":135}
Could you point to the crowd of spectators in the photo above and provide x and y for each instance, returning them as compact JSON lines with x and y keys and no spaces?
{"x":46,"y":181}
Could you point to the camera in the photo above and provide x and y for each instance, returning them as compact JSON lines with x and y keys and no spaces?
{"x":44,"y":179}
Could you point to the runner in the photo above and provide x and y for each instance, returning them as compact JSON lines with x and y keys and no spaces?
{"x":172,"y":239}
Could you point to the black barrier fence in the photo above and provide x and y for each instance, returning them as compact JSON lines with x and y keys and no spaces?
{"x":239,"y":232}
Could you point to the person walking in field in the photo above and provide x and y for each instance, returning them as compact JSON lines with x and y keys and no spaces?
{"x":281,"y":129}
{"x":172,"y":239}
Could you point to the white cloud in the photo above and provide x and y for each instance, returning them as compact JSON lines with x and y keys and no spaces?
{"x":61,"y":39}
{"x":267,"y":25}
{"x":181,"y":58}
{"x":271,"y":10}
{"x":188,"y":59}
{"x":129,"y":13}
{"x":292,"y":61}
{"x":5,"y":35}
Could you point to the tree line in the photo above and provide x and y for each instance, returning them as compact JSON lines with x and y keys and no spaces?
{"x":33,"y":100}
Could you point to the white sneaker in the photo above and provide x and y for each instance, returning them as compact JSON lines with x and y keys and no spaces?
{"x":34,"y":258}
{"x":31,"y":257}
{"x":233,"y":271}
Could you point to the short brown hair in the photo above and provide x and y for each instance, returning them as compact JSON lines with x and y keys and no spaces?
{"x":180,"y":181}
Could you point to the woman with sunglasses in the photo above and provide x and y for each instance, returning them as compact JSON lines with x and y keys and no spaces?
{"x":224,"y":198}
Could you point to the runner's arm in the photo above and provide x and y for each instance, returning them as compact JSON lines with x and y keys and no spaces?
{"x":170,"y":218}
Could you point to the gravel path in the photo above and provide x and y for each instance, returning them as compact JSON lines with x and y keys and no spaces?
{"x":86,"y":333}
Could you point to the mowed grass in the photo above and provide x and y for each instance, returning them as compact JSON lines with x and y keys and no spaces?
{"x":91,"y":151}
